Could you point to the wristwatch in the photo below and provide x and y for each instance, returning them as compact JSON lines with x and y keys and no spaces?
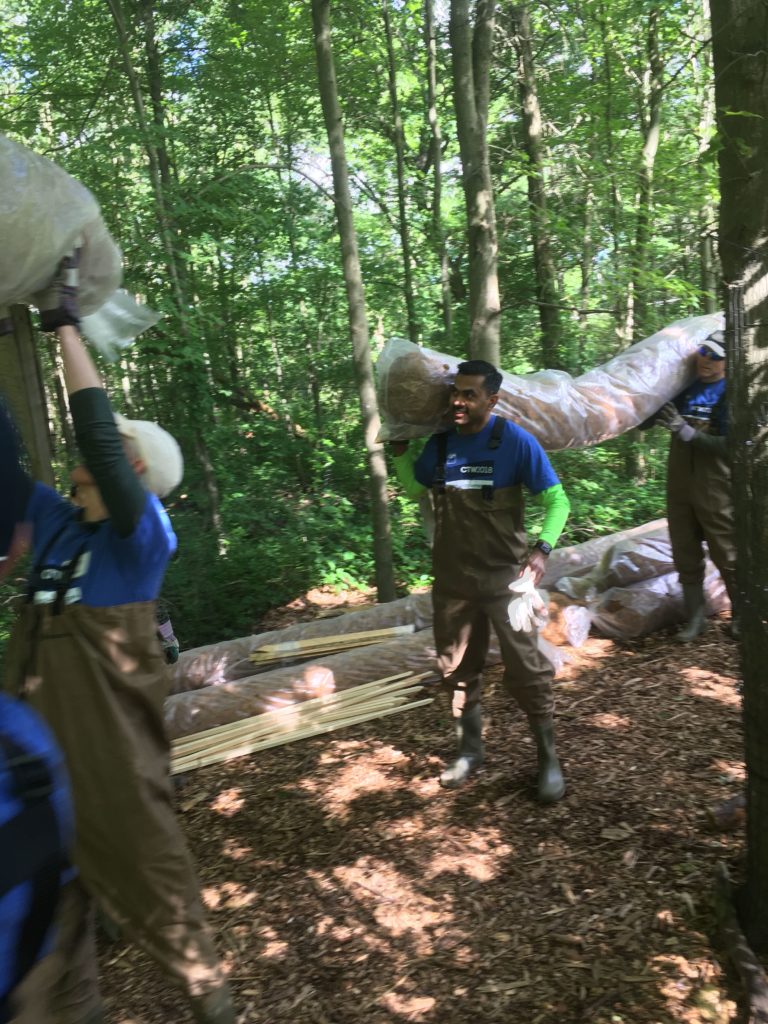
{"x":543,"y":547}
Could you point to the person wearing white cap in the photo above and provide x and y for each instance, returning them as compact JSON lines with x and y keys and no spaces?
{"x":699,"y":502}
{"x":84,"y":652}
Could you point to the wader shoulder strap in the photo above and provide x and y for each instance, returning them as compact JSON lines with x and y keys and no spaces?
{"x":438,"y":479}
{"x":497,"y":433}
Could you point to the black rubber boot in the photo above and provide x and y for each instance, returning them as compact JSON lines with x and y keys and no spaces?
{"x":469,"y":733}
{"x":695,"y":612}
{"x":214,"y":1007}
{"x":550,"y":785}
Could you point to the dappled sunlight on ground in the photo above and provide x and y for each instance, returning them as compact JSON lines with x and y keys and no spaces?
{"x":228,"y":894}
{"x":702,"y":683}
{"x":695,"y":982}
{"x":346,"y":886}
{"x":731,"y":771}
{"x":608,"y":720}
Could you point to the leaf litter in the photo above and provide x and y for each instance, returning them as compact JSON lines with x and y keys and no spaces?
{"x":344,"y":885}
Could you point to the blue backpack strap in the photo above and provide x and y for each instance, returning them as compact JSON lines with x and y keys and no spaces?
{"x":32,"y":852}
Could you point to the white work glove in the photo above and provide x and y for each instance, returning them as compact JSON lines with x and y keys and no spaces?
{"x":526,"y":603}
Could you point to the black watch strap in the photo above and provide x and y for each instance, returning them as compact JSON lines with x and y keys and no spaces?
{"x":543,"y":547}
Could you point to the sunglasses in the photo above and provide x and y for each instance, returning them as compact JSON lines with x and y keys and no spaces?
{"x":705,"y":350}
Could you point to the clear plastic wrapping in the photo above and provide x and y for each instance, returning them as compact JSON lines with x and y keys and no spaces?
{"x":43,"y":211}
{"x":196,"y":710}
{"x":632,"y":557}
{"x":559,"y":410}
{"x":228,"y":660}
{"x":626,"y":612}
{"x":580,"y":559}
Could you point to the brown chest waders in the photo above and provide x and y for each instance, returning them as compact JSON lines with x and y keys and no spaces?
{"x":480,"y":545}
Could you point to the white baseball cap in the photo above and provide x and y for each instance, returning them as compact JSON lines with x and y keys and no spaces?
{"x":716,"y":341}
{"x":158,"y":450}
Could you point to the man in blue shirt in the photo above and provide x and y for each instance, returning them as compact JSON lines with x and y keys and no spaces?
{"x":476,"y":472}
{"x":699,"y":502}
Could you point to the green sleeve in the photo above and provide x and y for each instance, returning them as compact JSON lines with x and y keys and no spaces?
{"x":556,"y":509}
{"x":404,"y":471}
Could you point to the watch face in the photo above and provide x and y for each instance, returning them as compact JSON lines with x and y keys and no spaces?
{"x":543,"y":546}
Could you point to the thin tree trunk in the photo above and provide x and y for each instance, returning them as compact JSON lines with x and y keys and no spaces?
{"x":60,"y":396}
{"x":22,"y":383}
{"x":547,"y":291}
{"x":587,"y":253}
{"x":708,"y":219}
{"x":436,"y":156}
{"x":637,"y":320}
{"x":414,"y":331}
{"x":361,"y":352}
{"x":618,"y":298}
{"x":471,"y":59}
{"x":740,"y":29}
{"x":158,"y":166}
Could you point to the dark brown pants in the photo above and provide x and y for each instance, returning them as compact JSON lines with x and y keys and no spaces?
{"x":462,"y":636}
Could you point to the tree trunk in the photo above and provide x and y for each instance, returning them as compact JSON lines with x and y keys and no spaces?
{"x":399,"y":141}
{"x":22,"y":385}
{"x":361,"y":352}
{"x":638,"y":324}
{"x":740,"y":29}
{"x":618,"y":299}
{"x":547,"y":291}
{"x":436,"y":158}
{"x":471,"y":59}
{"x":159,"y":166}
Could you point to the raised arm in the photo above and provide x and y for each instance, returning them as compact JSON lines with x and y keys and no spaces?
{"x":100,"y":444}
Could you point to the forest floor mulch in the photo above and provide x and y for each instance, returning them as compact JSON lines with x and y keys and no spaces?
{"x":345,"y":886}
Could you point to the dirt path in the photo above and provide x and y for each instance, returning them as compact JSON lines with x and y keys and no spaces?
{"x":345,"y":886}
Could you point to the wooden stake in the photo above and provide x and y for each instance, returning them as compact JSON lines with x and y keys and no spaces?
{"x":328,"y":703}
{"x":219,"y":756}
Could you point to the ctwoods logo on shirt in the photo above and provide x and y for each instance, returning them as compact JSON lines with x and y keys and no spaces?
{"x":468,"y":475}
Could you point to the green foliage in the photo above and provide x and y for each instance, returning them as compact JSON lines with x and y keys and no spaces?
{"x":250,"y":365}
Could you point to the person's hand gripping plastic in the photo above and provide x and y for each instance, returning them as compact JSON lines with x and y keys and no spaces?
{"x":57,"y":302}
{"x":669,"y":418}
{"x":526,"y":603}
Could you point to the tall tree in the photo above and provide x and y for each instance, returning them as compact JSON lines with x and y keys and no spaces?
{"x":436,"y":160}
{"x":471,"y":49}
{"x":358,"y":321}
{"x":398,"y":137}
{"x":547,"y":292}
{"x":739,"y":34}
{"x":650,"y":96}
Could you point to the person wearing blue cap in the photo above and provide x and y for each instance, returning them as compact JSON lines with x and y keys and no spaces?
{"x":699,"y":501}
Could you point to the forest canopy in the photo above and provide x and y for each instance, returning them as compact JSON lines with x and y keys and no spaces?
{"x":200,"y":130}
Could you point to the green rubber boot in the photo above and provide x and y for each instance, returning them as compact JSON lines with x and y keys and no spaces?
{"x":469,"y":733}
{"x":695,"y":612}
{"x":550,"y":785}
{"x":214,"y":1007}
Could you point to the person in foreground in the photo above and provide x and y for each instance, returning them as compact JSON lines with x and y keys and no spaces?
{"x":699,"y":502}
{"x":476,"y":472}
{"x":85,"y":654}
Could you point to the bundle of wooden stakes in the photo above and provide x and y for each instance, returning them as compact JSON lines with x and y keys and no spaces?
{"x":299,"y":721}
{"x":296,"y":650}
